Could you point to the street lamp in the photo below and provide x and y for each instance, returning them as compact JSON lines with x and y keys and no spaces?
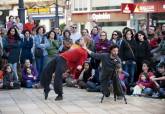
{"x":21,"y":11}
{"x":56,"y":15}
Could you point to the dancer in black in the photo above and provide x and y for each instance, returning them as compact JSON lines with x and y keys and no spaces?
{"x":108,"y":71}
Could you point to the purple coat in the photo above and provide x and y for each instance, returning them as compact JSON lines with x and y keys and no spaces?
{"x":25,"y":75}
{"x":95,"y":38}
{"x":103,"y":46}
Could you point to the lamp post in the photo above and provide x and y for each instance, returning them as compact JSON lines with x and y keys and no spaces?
{"x":56,"y":15}
{"x":21,"y":11}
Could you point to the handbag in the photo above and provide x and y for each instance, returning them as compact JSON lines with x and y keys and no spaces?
{"x":38,"y":52}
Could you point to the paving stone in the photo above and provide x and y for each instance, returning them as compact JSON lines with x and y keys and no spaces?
{"x":76,"y":101}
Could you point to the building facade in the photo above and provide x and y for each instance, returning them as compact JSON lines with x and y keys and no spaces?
{"x":43,"y":11}
{"x":106,"y":13}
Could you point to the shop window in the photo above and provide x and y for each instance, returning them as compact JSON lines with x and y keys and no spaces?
{"x":105,"y":7}
{"x":75,"y":9}
{"x":85,"y":9}
{"x":120,"y":23}
{"x":146,"y":0}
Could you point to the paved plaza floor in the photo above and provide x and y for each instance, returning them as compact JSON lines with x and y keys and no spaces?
{"x":76,"y":101}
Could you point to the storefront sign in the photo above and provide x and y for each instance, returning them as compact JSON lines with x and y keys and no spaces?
{"x":145,"y":8}
{"x":100,"y":16}
{"x":32,"y":11}
{"x":149,"y":7}
{"x":127,"y":8}
{"x":38,"y":10}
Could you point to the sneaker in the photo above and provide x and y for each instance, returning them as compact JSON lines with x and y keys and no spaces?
{"x":51,"y":87}
{"x":120,"y":97}
{"x":155,"y":95}
{"x":58,"y":98}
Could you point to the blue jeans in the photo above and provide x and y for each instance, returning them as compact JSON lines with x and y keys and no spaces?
{"x":147,"y":91}
{"x":29,"y":83}
{"x":40,"y":63}
{"x":14,"y":67}
{"x":162,"y":92}
{"x":130,"y":68}
{"x":93,"y":87}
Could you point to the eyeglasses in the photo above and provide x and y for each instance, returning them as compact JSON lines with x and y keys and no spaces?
{"x":102,"y":35}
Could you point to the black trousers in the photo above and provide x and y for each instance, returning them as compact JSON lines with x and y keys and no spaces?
{"x":59,"y":66}
{"x":110,"y":74}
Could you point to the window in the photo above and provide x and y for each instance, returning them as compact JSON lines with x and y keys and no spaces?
{"x":120,"y":23}
{"x":105,"y":7}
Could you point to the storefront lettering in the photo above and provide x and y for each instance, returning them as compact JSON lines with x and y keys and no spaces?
{"x":163,"y":6}
{"x":150,"y":8}
{"x":146,"y":8}
{"x":100,"y":16}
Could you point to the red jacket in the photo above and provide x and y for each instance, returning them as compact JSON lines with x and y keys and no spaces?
{"x":75,"y":57}
{"x":28,"y":26}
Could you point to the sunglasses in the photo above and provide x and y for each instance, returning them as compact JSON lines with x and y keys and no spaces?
{"x":102,"y":35}
{"x":74,"y":27}
{"x":114,"y":34}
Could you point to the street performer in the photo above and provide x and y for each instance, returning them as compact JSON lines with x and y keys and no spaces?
{"x":108,"y":70}
{"x":72,"y":59}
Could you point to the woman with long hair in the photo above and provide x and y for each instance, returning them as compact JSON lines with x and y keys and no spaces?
{"x":12,"y":46}
{"x":41,"y":44}
{"x":142,"y":51}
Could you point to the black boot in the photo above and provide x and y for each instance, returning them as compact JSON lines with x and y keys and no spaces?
{"x":46,"y":92}
{"x":58,"y":98}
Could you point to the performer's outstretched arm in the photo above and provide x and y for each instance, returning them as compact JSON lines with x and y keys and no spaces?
{"x":92,"y":54}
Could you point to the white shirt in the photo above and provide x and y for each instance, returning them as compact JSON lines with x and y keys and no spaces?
{"x":75,"y":36}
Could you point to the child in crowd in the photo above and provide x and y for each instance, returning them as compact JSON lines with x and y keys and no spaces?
{"x":145,"y":85}
{"x":160,"y":80}
{"x":29,"y":75}
{"x":69,"y":79}
{"x":123,"y":76}
{"x":10,"y":80}
{"x":1,"y":79}
{"x":85,"y":75}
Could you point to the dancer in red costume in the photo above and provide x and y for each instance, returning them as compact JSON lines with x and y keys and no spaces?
{"x":72,"y":59}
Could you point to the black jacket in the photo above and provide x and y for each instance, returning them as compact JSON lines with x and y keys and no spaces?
{"x":125,"y":52}
{"x":143,"y":50}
